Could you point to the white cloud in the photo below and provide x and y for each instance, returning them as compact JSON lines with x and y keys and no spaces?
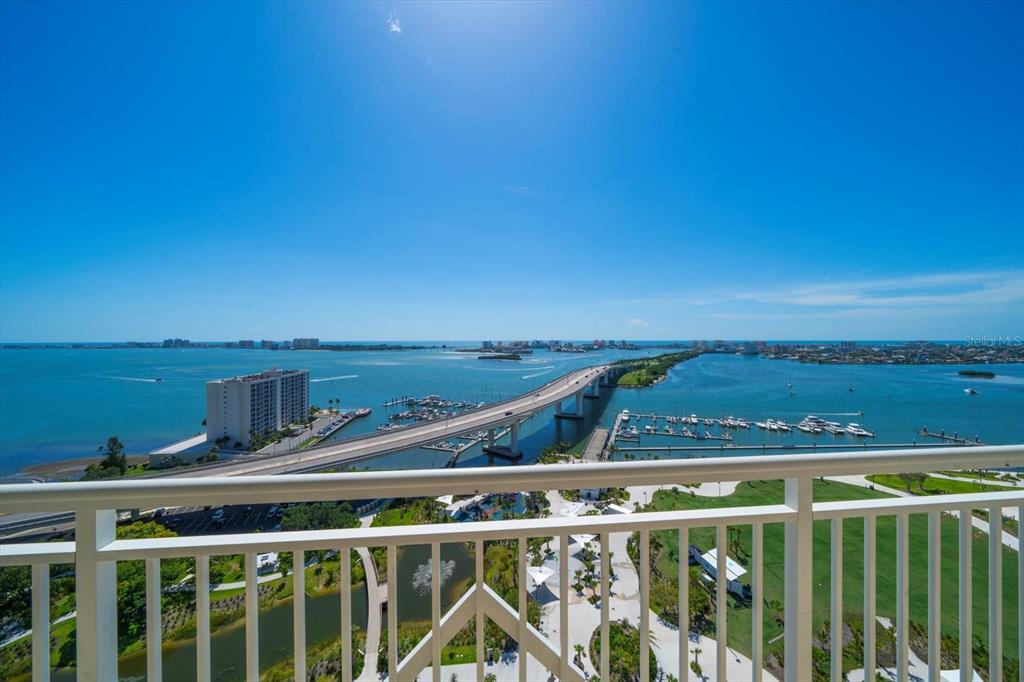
{"x":521,"y":190}
{"x":952,"y":288}
{"x":639,"y":322}
{"x":394,"y":24}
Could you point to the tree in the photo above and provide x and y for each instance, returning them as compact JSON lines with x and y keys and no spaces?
{"x":114,"y":462}
{"x":910,"y":479}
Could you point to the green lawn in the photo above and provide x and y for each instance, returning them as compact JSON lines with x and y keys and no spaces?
{"x":771,"y":492}
{"x":933,"y":485}
{"x":975,"y":474}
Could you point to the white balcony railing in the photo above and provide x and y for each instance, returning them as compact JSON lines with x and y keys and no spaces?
{"x":95,"y":552}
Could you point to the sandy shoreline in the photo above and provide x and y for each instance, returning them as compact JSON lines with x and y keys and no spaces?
{"x":68,"y":469}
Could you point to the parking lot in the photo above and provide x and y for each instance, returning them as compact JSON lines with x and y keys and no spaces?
{"x":236,"y":519}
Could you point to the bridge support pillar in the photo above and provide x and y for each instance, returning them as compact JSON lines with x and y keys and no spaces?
{"x":596,"y":387}
{"x":579,"y":401}
{"x":490,"y":437}
{"x":558,"y":407}
{"x":514,"y":442}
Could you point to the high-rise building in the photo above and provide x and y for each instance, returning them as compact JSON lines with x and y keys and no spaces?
{"x":248,"y":343}
{"x":305,"y":344}
{"x":245,"y":406}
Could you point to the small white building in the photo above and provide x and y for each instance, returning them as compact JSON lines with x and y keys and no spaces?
{"x":733,"y":572}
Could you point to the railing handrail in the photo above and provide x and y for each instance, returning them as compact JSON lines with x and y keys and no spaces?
{"x":19,"y":554}
{"x":132,"y":494}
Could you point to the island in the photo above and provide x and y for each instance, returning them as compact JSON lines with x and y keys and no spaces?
{"x":981,"y":373}
{"x":650,"y":371}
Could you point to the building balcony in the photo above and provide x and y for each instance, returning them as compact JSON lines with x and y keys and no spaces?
{"x":95,"y":553}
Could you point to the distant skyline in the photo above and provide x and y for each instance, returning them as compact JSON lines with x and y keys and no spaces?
{"x":383,"y":171}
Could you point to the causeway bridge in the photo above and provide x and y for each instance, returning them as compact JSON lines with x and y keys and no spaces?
{"x":574,"y":387}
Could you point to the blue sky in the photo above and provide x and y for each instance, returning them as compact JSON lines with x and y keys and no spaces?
{"x":465,"y":171}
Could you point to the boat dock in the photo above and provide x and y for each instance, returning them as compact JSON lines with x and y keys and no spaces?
{"x":765,"y":447}
{"x":956,"y":438}
{"x":455,"y":448}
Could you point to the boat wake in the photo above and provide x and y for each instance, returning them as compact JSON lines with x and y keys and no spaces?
{"x":337,"y":378}
{"x":116,"y":378}
{"x":530,"y":376}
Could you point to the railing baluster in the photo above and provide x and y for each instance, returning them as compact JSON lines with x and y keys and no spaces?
{"x":869,"y":597}
{"x":757,"y":607}
{"x":252,"y":619}
{"x":837,"y":600}
{"x":40,"y":622}
{"x":392,"y":613}
{"x":799,"y":579}
{"x":902,"y":598}
{"x":966,"y":655}
{"x":154,"y":663}
{"x":95,"y":597}
{"x":995,"y":593}
{"x":684,"y":604}
{"x":606,"y":566}
{"x":722,"y":599}
{"x":345,"y":567}
{"x":563,"y":604}
{"x":522,"y":610}
{"x":934,"y":596}
{"x":203,"y":669}
{"x":435,"y":609}
{"x":645,"y":608}
{"x":299,"y":612}
{"x":480,"y":634}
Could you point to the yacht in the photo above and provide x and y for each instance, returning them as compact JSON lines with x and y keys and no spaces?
{"x":970,"y":391}
{"x":625,"y":415}
{"x":855,"y":429}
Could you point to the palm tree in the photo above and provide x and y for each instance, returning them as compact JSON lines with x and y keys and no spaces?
{"x":579,"y":653}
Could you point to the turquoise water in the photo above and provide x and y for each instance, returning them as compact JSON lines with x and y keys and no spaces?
{"x":63,"y":403}
{"x":59,"y":404}
{"x":894,"y":401}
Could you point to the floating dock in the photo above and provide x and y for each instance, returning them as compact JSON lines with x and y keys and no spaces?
{"x":956,"y":438}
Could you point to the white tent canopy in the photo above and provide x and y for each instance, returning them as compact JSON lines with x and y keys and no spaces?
{"x":572,"y":509}
{"x":583,"y":538}
{"x":446,"y":500}
{"x":539,"y":574}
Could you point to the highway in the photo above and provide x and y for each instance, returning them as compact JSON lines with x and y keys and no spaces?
{"x":342,"y":453}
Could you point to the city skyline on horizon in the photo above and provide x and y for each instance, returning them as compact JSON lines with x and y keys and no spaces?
{"x":640,"y":171}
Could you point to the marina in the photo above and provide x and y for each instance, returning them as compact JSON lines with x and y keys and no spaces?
{"x":629,"y":426}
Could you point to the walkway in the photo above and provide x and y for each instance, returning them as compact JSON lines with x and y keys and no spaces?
{"x":585,"y":619}
{"x":373,"y":610}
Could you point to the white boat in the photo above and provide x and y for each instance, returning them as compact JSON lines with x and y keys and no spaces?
{"x":761,"y":425}
{"x":855,"y":429}
{"x":970,"y":391}
{"x":625,"y":415}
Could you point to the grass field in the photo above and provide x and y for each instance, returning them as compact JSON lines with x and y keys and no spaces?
{"x":771,"y":492}
{"x":933,"y":485}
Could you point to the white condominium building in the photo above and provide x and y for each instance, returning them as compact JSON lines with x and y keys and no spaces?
{"x":245,"y":406}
